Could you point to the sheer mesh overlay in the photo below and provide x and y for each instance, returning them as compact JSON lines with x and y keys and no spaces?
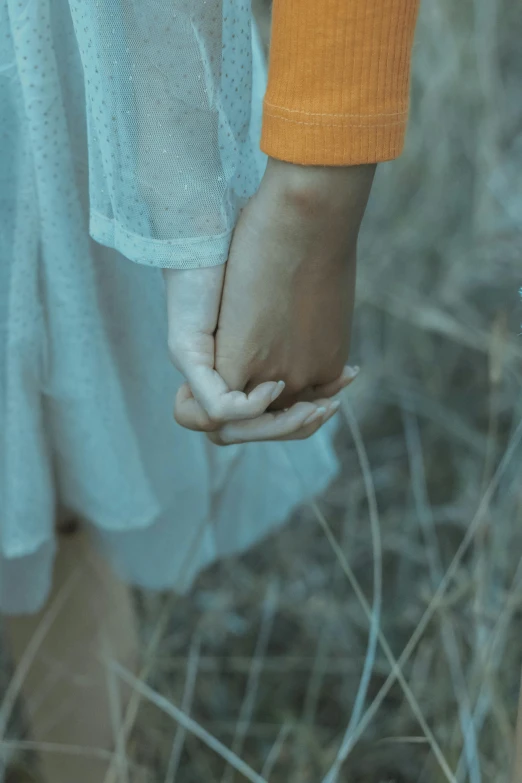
{"x":156,"y":124}
{"x":172,"y":152}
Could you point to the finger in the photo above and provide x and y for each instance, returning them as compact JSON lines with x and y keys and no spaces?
{"x":348,"y":375}
{"x":189,"y":413}
{"x":224,"y":405}
{"x":278,"y":425}
{"x":320,"y":391}
{"x":310,"y":429}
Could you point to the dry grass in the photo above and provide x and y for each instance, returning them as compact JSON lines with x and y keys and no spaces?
{"x":267,"y":653}
{"x":280,"y":635}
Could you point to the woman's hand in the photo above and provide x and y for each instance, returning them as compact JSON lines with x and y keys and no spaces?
{"x":193,"y":301}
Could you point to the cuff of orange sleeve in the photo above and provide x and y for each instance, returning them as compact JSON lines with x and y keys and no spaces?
{"x":312,"y":140}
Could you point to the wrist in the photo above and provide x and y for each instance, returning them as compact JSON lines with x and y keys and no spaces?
{"x":313,"y":188}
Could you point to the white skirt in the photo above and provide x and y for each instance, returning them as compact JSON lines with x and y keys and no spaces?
{"x":86,"y":388}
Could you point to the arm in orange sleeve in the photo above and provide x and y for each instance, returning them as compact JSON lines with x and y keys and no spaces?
{"x":339,"y":80}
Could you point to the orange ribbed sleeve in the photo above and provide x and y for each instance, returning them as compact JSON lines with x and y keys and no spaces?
{"x":339,"y":80}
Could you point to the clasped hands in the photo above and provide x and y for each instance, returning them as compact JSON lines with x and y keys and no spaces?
{"x":263,"y":341}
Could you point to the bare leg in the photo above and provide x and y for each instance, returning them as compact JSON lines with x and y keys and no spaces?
{"x":72,"y":698}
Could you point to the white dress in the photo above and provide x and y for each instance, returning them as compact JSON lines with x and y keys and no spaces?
{"x":140,"y":119}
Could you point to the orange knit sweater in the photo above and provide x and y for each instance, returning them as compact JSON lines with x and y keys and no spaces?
{"x":339,"y":78}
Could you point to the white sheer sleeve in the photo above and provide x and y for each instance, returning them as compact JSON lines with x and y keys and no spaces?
{"x":173,"y":132}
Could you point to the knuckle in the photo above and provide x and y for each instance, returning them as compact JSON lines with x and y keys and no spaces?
{"x":209,"y":427}
{"x":224,"y":442}
{"x":297,"y":383}
{"x":228,"y":435}
{"x":215,"y":414}
{"x":189,"y":423}
{"x":218,"y":439}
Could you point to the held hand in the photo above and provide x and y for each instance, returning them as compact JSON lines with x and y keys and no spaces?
{"x":288,"y":296}
{"x":193,"y":301}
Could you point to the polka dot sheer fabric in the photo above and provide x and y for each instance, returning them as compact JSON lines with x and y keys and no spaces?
{"x":140,"y":118}
{"x":172,"y":156}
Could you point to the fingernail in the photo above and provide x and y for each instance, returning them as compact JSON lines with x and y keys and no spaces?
{"x":278,"y":390}
{"x":350,"y":373}
{"x":317,"y":414}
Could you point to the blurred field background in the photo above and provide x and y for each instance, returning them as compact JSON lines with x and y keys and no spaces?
{"x":273,"y":654}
